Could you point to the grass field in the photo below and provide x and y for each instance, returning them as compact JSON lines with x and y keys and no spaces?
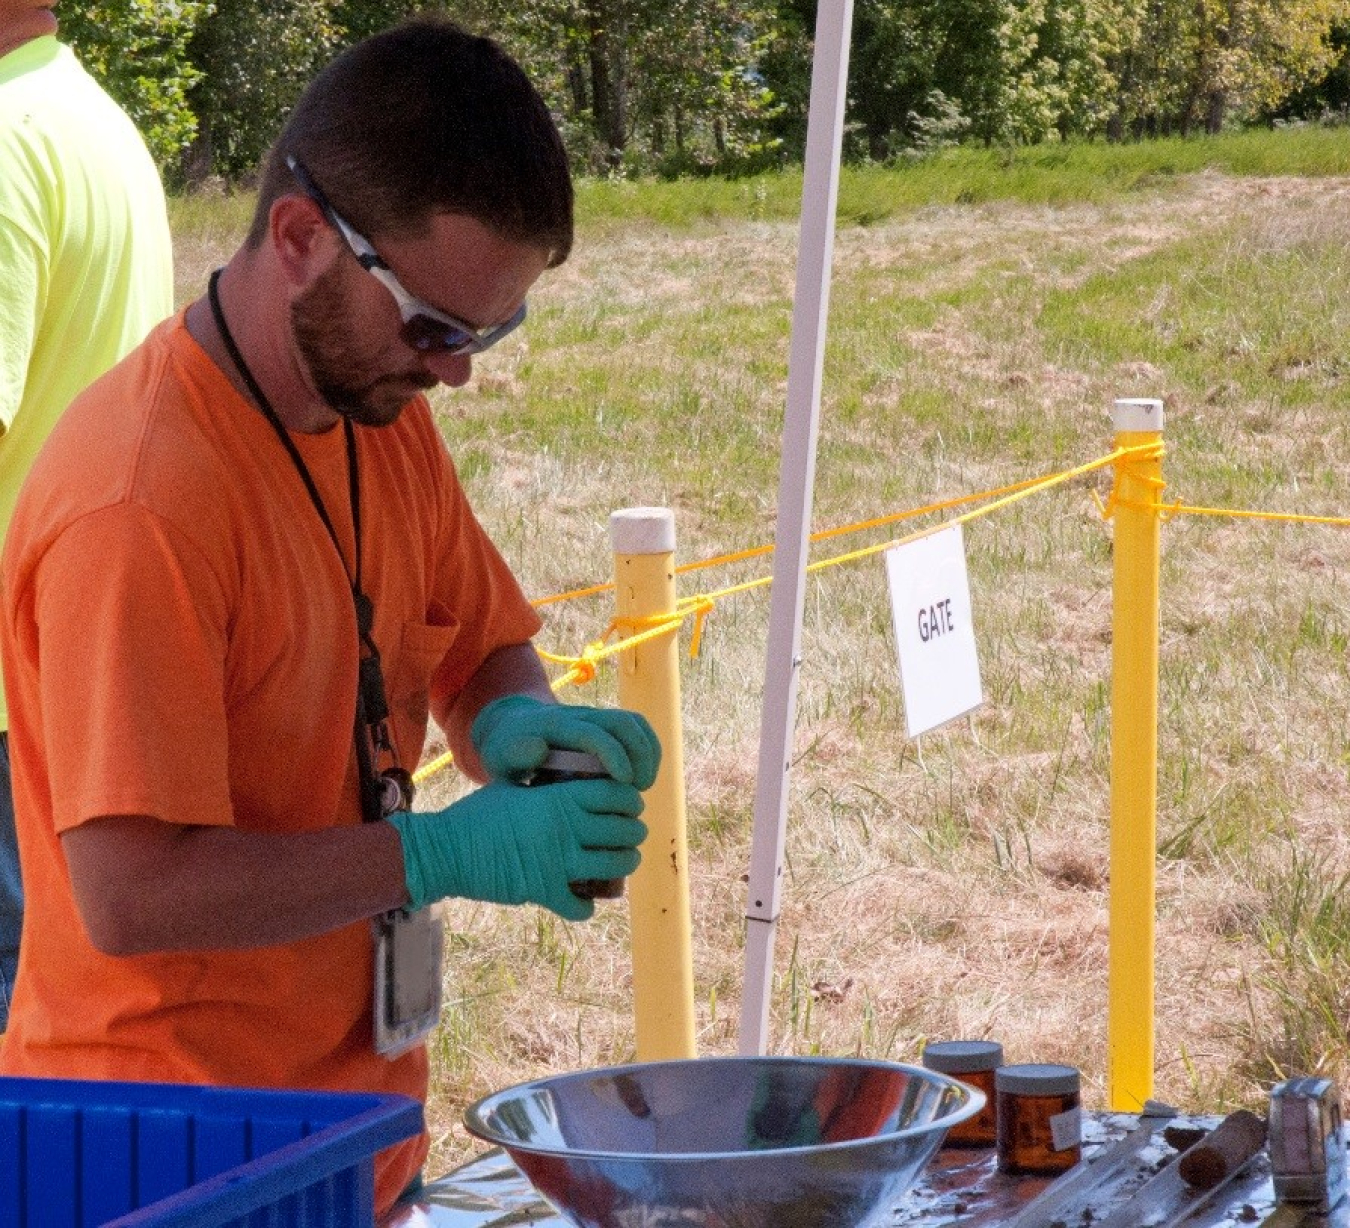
{"x":986,"y":311}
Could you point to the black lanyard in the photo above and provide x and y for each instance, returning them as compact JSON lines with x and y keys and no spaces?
{"x":372,"y":707}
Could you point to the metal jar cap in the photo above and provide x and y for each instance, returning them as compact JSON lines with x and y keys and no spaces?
{"x":962,"y":1056}
{"x":1036,"y":1080}
{"x":582,"y":762}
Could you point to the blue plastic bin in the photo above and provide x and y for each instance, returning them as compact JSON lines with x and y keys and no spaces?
{"x":76,"y":1154}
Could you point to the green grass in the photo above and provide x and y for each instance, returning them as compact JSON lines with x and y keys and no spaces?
{"x":1071,"y":173}
{"x":207,"y":216}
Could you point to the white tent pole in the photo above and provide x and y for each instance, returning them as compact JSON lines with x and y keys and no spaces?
{"x":820,"y":191}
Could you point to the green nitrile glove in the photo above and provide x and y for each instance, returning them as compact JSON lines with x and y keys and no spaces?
{"x":512,"y":845}
{"x":514,"y":734}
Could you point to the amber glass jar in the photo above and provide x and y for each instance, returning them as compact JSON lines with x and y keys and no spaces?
{"x":972,"y":1062}
{"x":1040,"y":1128}
{"x":578,"y":765}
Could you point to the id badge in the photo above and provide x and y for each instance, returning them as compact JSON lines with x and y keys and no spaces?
{"x":407,"y":978}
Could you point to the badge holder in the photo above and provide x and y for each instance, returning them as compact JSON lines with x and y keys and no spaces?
{"x":408,"y":947}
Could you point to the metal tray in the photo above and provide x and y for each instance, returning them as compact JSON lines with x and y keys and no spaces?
{"x":959,"y":1189}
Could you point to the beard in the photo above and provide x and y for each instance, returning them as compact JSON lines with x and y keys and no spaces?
{"x":338,"y":365}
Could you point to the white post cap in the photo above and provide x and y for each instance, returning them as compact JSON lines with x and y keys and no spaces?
{"x":1137,"y":414}
{"x":642,"y":530}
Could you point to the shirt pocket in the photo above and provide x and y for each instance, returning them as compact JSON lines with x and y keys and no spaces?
{"x":421,"y":649}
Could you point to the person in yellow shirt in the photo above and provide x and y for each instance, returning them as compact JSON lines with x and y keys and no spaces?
{"x":86,"y":269}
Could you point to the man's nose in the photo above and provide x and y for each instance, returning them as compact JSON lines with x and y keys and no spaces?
{"x":453,"y":370}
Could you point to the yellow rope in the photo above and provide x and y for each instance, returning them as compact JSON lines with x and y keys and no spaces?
{"x":1168,"y":511}
{"x":1185,"y":509}
{"x":432,"y":766}
{"x":582,"y":669}
{"x":1000,"y":498}
{"x":755,"y":552}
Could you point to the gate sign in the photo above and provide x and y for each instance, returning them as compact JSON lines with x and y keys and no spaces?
{"x":930,"y":606}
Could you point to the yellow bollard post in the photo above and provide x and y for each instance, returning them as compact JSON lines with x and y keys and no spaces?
{"x":649,"y":682}
{"x":1134,"y":759}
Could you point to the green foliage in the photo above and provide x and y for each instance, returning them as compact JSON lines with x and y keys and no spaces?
{"x":1328,"y":98}
{"x":1196,"y":65}
{"x":138,"y":51}
{"x":693,"y":87}
{"x":942,"y":127}
{"x":905,"y":55}
{"x":701,"y":105}
{"x":359,"y":19}
{"x":1026,"y":71}
{"x":641,"y":85}
{"x":254,"y":61}
{"x":785,"y":68}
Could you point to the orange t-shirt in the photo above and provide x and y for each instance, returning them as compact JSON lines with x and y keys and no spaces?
{"x":180,"y":641}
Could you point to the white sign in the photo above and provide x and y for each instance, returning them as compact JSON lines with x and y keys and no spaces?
{"x":934,"y":631}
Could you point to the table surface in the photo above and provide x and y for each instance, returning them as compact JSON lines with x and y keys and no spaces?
{"x":958,"y":1189}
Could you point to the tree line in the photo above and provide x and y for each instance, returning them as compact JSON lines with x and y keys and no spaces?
{"x":674,"y":87}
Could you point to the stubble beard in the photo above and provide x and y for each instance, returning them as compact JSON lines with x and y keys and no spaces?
{"x":332,"y":352}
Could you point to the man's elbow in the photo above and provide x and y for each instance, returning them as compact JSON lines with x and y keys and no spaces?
{"x":122,"y":876}
{"x":115,"y":929}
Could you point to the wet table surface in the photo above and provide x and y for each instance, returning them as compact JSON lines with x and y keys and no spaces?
{"x":959,"y":1189}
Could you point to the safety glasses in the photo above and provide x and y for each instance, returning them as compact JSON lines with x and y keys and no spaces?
{"x":424,"y":327}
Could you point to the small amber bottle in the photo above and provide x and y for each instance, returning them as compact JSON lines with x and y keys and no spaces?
{"x":973,"y":1062}
{"x":562,"y":765}
{"x":1040,"y":1128}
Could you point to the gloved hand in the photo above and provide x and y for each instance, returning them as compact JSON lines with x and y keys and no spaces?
{"x":513,"y":735}
{"x":512,"y":845}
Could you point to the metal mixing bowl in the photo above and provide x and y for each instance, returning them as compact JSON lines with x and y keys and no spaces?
{"x":729,"y":1142}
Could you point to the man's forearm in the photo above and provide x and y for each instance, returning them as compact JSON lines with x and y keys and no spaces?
{"x":143,"y":885}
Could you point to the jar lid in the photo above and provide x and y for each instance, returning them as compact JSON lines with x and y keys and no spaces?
{"x":1036,"y":1080}
{"x":962,"y":1056}
{"x":582,"y":762}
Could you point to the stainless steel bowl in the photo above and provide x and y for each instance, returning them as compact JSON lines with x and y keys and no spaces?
{"x":729,"y":1142}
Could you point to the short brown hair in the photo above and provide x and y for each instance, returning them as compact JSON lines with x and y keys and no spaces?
{"x":425,"y":118}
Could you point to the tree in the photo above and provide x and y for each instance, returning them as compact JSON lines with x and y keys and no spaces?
{"x":697,"y":86}
{"x":907,"y":55}
{"x":253,"y":61}
{"x":1271,"y":51}
{"x":1196,"y":64}
{"x":654,"y":84}
{"x":1009,"y":71}
{"x":1328,"y":96}
{"x":359,"y":19}
{"x":138,"y":52}
{"x":1071,"y":85}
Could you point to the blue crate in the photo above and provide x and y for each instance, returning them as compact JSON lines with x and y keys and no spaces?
{"x":76,"y":1154}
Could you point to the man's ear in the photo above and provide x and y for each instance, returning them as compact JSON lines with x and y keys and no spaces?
{"x":304,"y":242}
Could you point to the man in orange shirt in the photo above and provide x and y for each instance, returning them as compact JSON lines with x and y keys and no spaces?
{"x":241,"y":577}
